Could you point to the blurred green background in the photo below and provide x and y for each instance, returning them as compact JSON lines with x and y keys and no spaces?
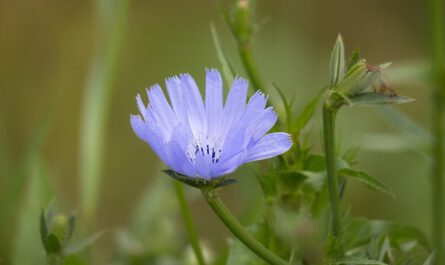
{"x":47,"y":49}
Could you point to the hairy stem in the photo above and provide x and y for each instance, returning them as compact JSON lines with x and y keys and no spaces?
{"x":437,"y":181}
{"x":329,"y":114}
{"x":191,"y":231}
{"x":239,"y":231}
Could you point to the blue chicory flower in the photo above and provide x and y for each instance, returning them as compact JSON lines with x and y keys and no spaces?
{"x":208,"y":140}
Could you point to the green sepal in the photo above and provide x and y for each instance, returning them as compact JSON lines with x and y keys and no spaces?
{"x":200,"y":183}
{"x":52,"y":245}
{"x":355,"y":58}
{"x":337,"y":63}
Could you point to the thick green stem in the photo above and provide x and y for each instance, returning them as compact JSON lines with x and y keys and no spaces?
{"x":239,"y":231}
{"x":437,"y":181}
{"x":329,"y":113}
{"x":191,"y":231}
{"x":245,"y":52}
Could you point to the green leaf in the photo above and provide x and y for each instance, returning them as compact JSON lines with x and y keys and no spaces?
{"x":369,"y":181}
{"x":359,"y":261}
{"x":306,"y":114}
{"x":287,"y":105}
{"x":227,"y":69}
{"x":337,"y":64}
{"x":373,"y":98}
{"x":200,"y":183}
{"x":290,"y":180}
{"x":75,"y":248}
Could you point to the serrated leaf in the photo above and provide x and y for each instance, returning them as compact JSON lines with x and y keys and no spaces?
{"x":75,"y":248}
{"x":372,"y":99}
{"x":227,"y":69}
{"x":370,"y":181}
{"x":337,"y":64}
{"x":359,"y":261}
{"x":200,"y":183}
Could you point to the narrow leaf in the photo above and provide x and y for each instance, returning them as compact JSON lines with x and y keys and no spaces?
{"x":372,"y":99}
{"x":368,"y":180}
{"x":337,"y":65}
{"x":306,"y":114}
{"x":227,"y":69}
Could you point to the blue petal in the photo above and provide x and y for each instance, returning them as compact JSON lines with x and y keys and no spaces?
{"x":150,"y":135}
{"x":229,"y":165}
{"x":203,"y":165}
{"x":179,"y":161}
{"x":262,"y":124}
{"x":235,"y":102}
{"x":141,"y":106}
{"x":237,"y":137}
{"x":177,"y":98}
{"x":161,"y":110}
{"x":268,"y":146}
{"x":196,"y":114}
{"x":214,"y":101}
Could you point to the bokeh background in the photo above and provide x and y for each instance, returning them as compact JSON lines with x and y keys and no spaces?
{"x":49,"y":52}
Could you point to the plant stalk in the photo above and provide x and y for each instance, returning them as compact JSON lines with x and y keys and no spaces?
{"x":329,"y":114}
{"x":437,"y":181}
{"x":190,"y":228}
{"x":245,"y":52}
{"x":239,"y":231}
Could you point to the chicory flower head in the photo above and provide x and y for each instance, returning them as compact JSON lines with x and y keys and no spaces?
{"x":209,"y":139}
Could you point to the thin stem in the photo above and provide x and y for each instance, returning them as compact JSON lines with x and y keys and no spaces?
{"x":437,"y":180}
{"x":329,"y":147}
{"x":239,"y":231}
{"x":191,"y":231}
{"x":245,"y":52}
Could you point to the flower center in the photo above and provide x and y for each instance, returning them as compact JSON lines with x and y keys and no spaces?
{"x":210,"y":150}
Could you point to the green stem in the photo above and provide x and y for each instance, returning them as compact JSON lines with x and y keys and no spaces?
{"x":437,"y":180}
{"x":191,"y":231}
{"x":239,"y":231}
{"x":245,"y":52}
{"x":329,"y":114}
